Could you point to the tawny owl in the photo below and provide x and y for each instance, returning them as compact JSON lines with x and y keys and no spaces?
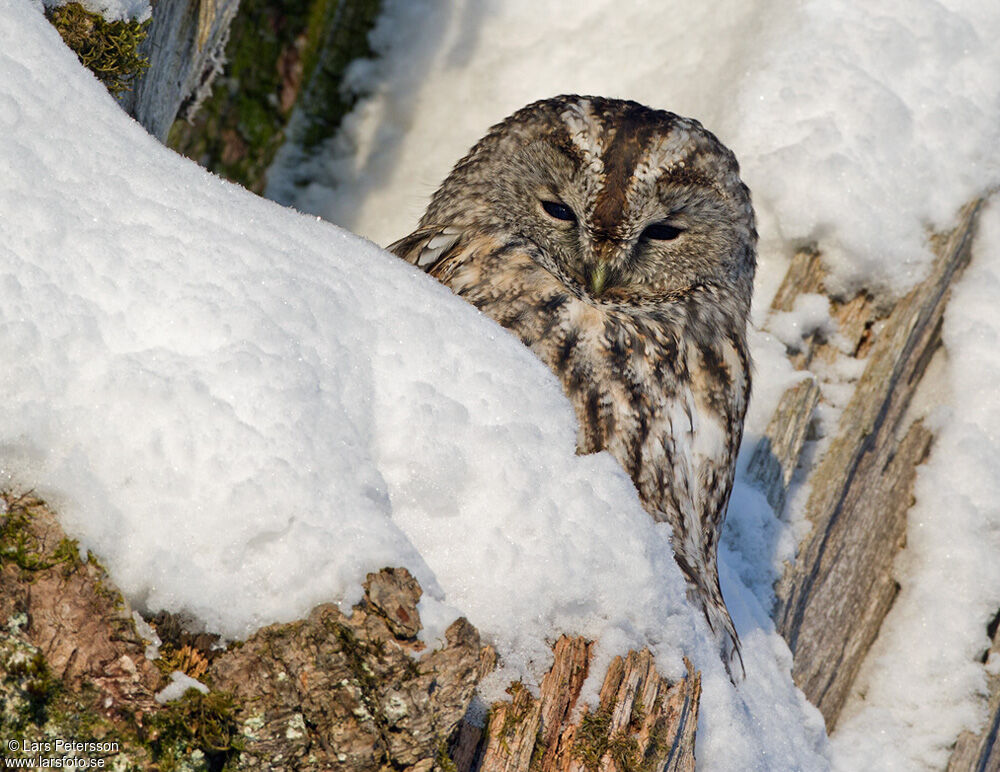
{"x":618,"y":243}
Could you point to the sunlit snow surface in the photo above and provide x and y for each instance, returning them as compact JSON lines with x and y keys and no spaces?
{"x":112,"y":10}
{"x":858,"y":127}
{"x":242,"y":410}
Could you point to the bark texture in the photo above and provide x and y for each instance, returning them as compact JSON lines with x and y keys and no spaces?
{"x":351,"y":693}
{"x":832,"y":600}
{"x":185,"y":47}
{"x":642,"y":721}
{"x":326,"y":692}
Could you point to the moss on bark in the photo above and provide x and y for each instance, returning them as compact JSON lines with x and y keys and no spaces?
{"x":280,"y":56}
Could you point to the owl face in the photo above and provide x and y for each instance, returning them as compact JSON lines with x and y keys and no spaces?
{"x":624,"y":203}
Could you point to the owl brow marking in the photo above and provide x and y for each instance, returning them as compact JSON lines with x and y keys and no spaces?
{"x":584,"y":135}
{"x":621,"y":157}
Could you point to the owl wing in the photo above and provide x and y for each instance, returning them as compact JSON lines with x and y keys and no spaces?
{"x":427,"y":246}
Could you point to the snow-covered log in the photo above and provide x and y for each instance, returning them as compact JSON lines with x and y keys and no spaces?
{"x":359,"y":692}
{"x":832,"y":600}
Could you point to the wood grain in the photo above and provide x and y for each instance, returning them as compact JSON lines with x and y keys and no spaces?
{"x":831,"y":602}
{"x":642,"y":721}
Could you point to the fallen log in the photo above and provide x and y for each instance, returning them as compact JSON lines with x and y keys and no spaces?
{"x":832,"y":600}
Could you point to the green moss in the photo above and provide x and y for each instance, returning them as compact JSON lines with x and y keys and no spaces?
{"x":239,"y":127}
{"x":442,"y":761}
{"x":594,"y":740}
{"x":591,"y":740}
{"x":537,"y":751}
{"x":623,"y":749}
{"x":199,"y":729}
{"x":658,"y":746}
{"x":68,"y":553}
{"x":279,"y":55}
{"x":18,"y":545}
{"x":198,"y":732}
{"x":326,"y":102}
{"x":109,"y":49}
{"x":356,"y":654}
{"x":27,"y":682}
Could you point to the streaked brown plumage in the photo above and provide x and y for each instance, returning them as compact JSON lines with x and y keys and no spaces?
{"x":618,"y":242}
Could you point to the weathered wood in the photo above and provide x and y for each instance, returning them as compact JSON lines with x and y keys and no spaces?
{"x":642,"y":721}
{"x":777,"y":454}
{"x":854,"y":317}
{"x":831,"y":602}
{"x":185,"y":49}
{"x":980,"y":752}
{"x":805,"y":274}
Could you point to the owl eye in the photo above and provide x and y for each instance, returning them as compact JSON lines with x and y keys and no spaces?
{"x":558,"y":210}
{"x":660,"y":231}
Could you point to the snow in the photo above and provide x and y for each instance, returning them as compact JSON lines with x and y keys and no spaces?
{"x":810,"y":314}
{"x":856,"y":124}
{"x":242,"y":410}
{"x":178,"y":686}
{"x":112,"y":10}
{"x":859,"y":127}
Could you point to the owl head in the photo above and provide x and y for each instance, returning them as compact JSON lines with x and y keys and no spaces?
{"x":623,"y":203}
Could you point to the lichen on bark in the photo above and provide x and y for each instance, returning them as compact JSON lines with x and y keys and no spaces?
{"x":329,"y":691}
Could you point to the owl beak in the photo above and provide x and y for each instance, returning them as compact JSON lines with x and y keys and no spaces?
{"x":598,"y":276}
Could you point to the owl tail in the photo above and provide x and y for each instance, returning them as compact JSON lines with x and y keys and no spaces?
{"x":722,"y":625}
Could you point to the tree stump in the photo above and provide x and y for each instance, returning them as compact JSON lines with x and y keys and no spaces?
{"x":641,"y":722}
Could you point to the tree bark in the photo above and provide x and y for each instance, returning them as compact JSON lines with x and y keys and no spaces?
{"x":326,"y":692}
{"x":642,"y":721}
{"x":832,"y":600}
{"x":185,"y":46}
